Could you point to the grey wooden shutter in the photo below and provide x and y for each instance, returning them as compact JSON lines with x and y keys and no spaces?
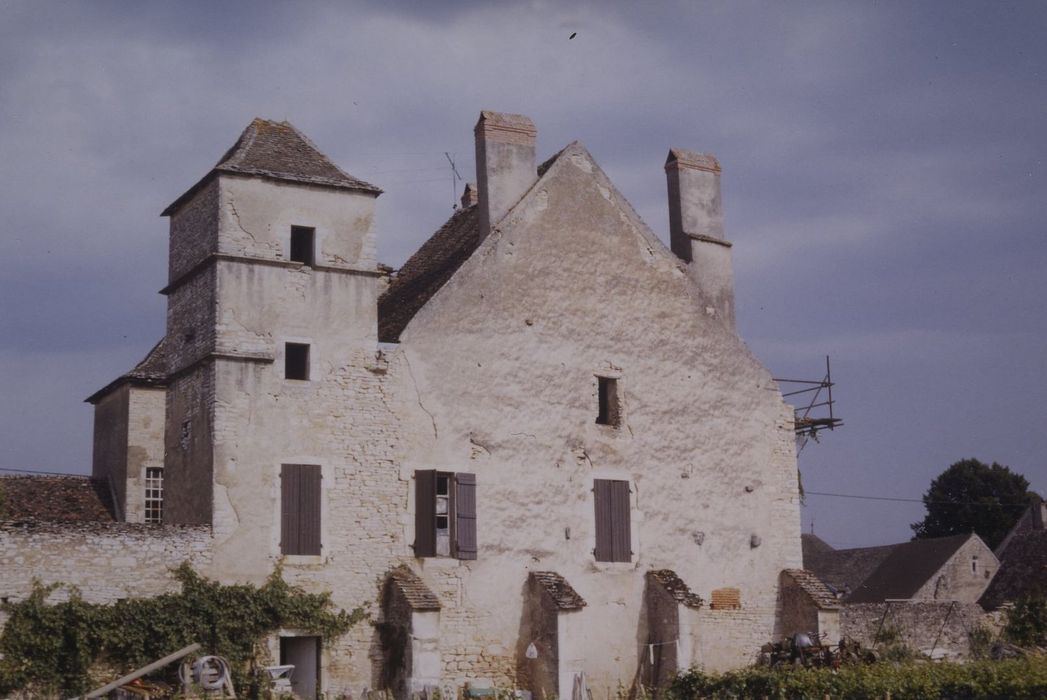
{"x":425,"y":513}
{"x":309,"y":510}
{"x":465,"y":516}
{"x":300,"y":509}
{"x":621,"y":539}
{"x":613,"y":535}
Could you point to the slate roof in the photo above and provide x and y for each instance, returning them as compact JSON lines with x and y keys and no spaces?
{"x":54,"y":499}
{"x":842,"y":569}
{"x":426,"y":271}
{"x":278,"y":151}
{"x":1022,"y":572}
{"x":561,"y":592}
{"x":819,"y":593}
{"x":414,"y":590}
{"x":907,"y":568}
{"x":151,"y":371}
{"x":675,"y":587}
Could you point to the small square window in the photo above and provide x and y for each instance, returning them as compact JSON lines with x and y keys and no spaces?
{"x":296,"y":361}
{"x":303,"y":240}
{"x":610,"y":406}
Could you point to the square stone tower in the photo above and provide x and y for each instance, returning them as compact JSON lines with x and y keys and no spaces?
{"x":271,"y":297}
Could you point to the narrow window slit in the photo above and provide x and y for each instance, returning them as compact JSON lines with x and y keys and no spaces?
{"x":609,"y":410}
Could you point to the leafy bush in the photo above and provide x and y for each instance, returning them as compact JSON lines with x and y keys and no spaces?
{"x":1027,"y":622}
{"x":1020,"y":679}
{"x":50,"y":648}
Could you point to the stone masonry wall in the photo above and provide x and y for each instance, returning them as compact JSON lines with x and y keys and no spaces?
{"x":920,"y":625}
{"x":106,"y":561}
{"x":145,"y":445}
{"x":109,"y":458}
{"x":194,"y":231}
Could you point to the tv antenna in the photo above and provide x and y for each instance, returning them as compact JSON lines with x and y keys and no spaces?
{"x":455,"y":179}
{"x":818,"y":414}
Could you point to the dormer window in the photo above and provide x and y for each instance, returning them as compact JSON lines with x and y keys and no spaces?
{"x":303,"y":244}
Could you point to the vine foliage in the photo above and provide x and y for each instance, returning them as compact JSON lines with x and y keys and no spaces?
{"x":48,"y":648}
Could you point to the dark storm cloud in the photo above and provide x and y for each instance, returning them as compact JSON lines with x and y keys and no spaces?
{"x":883,"y":181}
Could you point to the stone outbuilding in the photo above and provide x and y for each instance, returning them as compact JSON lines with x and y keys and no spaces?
{"x":538,"y":448}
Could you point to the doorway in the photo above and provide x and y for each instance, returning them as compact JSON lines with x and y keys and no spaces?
{"x":304,"y":654}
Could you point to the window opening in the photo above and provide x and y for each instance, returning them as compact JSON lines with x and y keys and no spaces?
{"x":609,"y":411}
{"x":296,"y":361}
{"x":443,"y":515}
{"x":154,"y":494}
{"x":302,"y":244}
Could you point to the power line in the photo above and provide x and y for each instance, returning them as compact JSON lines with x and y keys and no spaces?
{"x":38,"y":471}
{"x":912,"y":500}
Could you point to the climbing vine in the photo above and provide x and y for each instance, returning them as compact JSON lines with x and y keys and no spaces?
{"x":48,"y":648}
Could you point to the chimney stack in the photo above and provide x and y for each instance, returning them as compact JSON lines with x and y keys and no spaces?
{"x":469,"y":195}
{"x":505,"y":164}
{"x":696,"y":229}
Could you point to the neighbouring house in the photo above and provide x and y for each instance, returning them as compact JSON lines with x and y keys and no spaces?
{"x":538,"y":449}
{"x":1023,"y":560}
{"x":924,"y":592}
{"x":956,"y":568}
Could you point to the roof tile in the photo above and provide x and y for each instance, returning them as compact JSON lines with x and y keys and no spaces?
{"x":561,"y":592}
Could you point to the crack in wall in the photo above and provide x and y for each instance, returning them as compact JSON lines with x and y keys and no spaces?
{"x":414,"y":382}
{"x":236,"y":215}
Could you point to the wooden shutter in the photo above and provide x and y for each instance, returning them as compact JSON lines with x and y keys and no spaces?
{"x":425,"y":513}
{"x":613,"y":533}
{"x":300,"y":509}
{"x":465,"y":516}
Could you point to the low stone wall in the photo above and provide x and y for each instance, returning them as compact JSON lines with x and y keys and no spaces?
{"x":941,"y":625}
{"x":105,"y":561}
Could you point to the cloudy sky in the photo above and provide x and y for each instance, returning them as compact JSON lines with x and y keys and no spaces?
{"x":884,"y":184}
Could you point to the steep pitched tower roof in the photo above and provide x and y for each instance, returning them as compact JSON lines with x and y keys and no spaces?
{"x":278,"y":151}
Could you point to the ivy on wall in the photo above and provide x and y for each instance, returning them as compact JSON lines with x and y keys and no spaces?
{"x":53,"y":648}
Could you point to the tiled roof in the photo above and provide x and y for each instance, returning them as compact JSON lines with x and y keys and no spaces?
{"x":278,"y":151}
{"x":842,"y":569}
{"x":414,"y":590}
{"x":815,"y":588}
{"x":151,"y":371}
{"x":426,"y":271}
{"x":1022,"y":572}
{"x":675,"y":587}
{"x":54,"y":499}
{"x":561,"y":592}
{"x":1033,"y":518}
{"x":908,"y":567}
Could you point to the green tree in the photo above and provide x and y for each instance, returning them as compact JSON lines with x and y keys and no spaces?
{"x":973,"y":496}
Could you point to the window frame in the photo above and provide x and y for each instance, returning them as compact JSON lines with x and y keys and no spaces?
{"x":459,"y":510}
{"x":153,"y":495}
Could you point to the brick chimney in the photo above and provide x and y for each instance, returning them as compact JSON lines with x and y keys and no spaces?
{"x":696,"y":229}
{"x":505,"y":164}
